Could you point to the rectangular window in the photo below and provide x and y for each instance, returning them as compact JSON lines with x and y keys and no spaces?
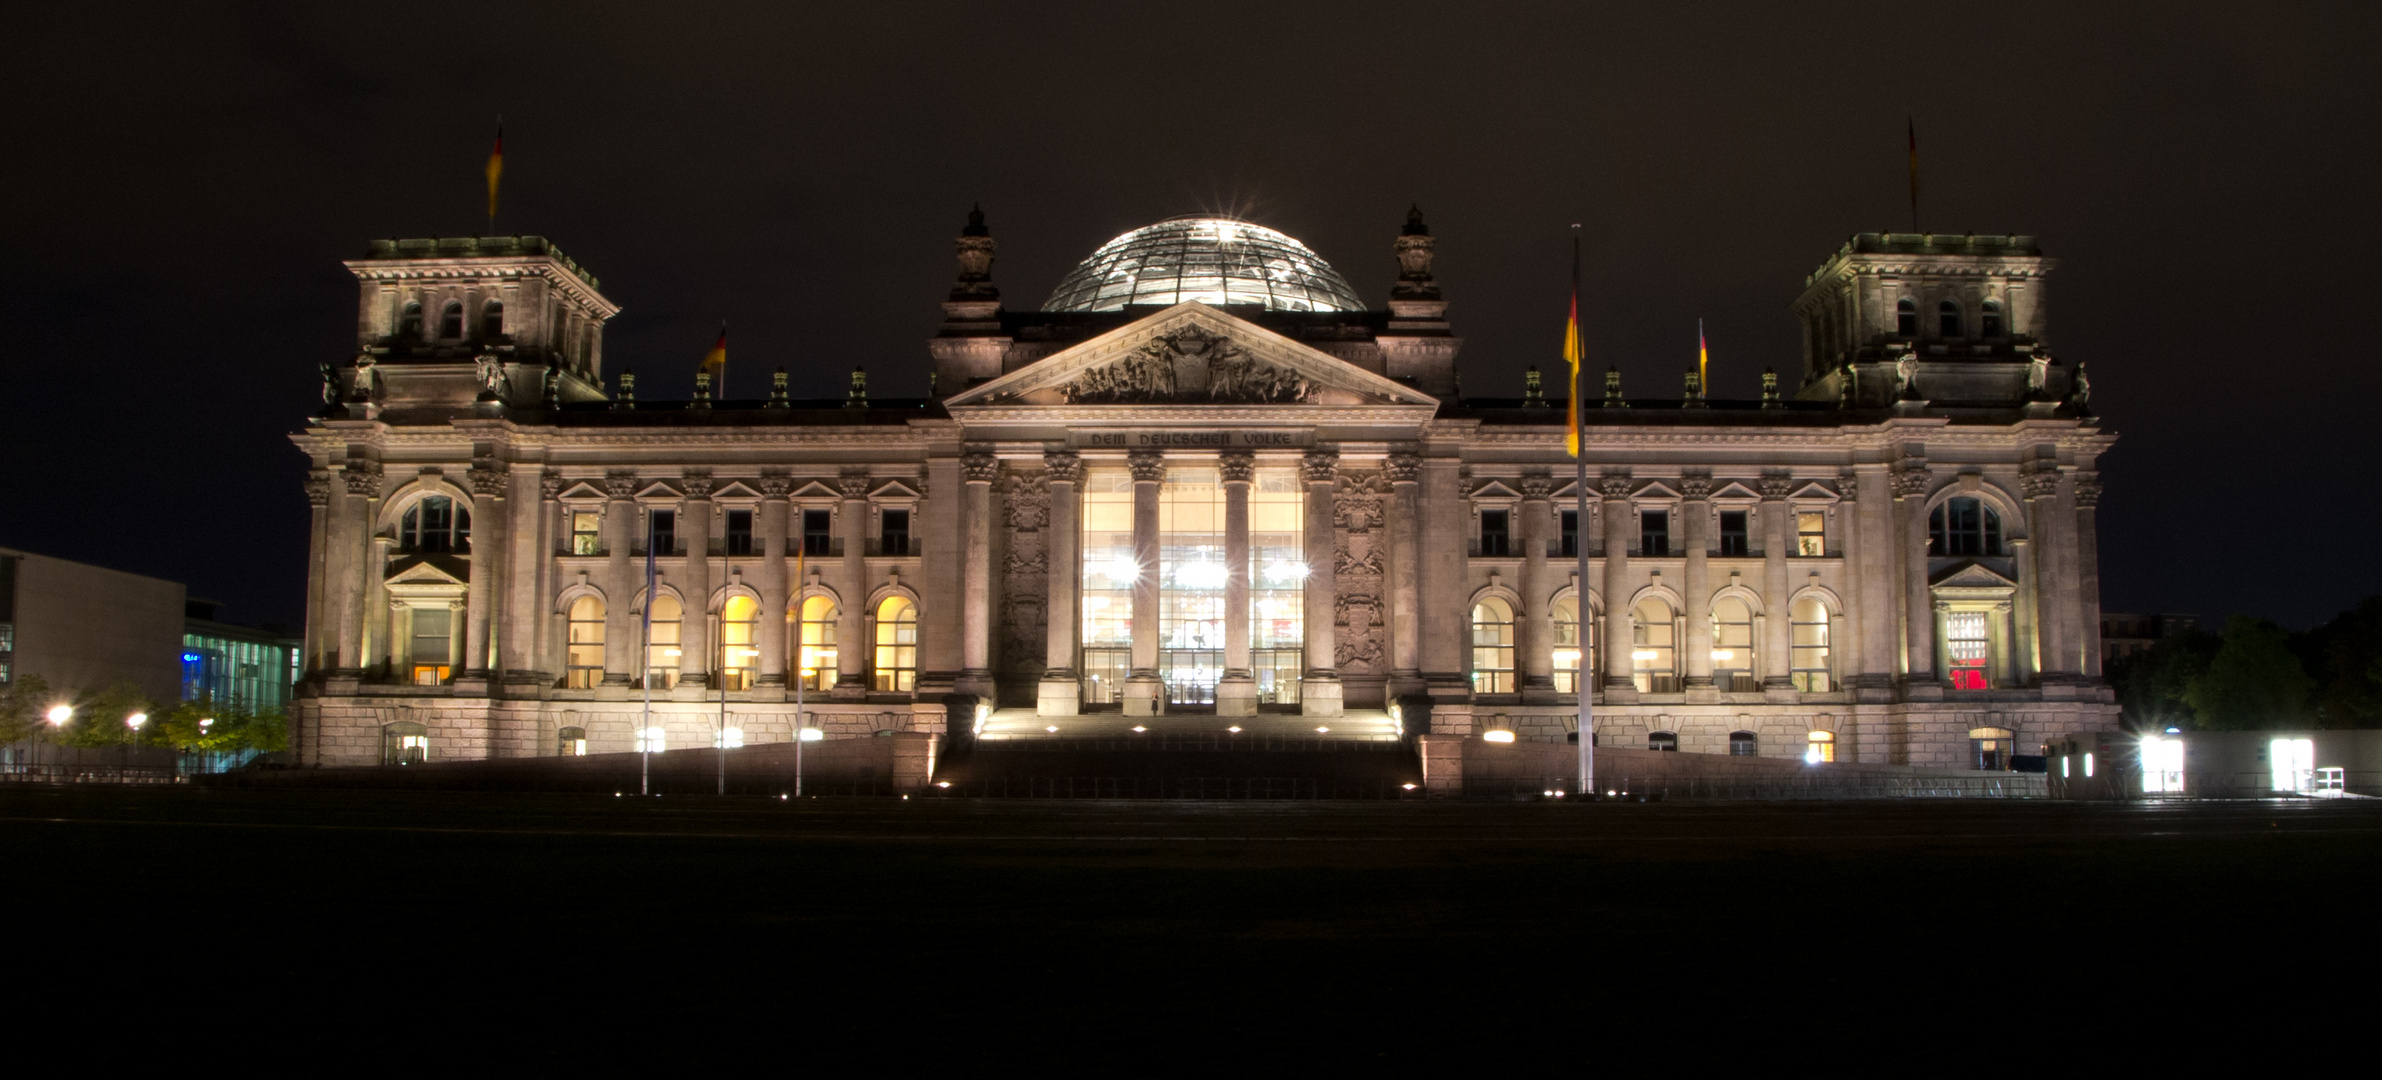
{"x":818,"y":533}
{"x":1811,"y":534}
{"x":587,"y":532}
{"x":661,"y":532}
{"x":430,"y":656}
{"x":740,"y":532}
{"x":1965,"y":638}
{"x":1277,"y":581}
{"x":1496,"y":532}
{"x":1109,"y":572}
{"x":1571,"y":534}
{"x":1733,"y":541}
{"x":893,"y":532}
{"x":1654,"y":533}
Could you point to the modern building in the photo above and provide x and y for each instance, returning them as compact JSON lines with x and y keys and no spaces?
{"x":2125,"y":635}
{"x":1203,"y":484}
{"x":243,"y":665}
{"x":86,"y":628}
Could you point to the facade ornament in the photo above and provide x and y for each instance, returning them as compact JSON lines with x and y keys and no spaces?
{"x":1770,"y":399}
{"x":853,"y":484}
{"x":550,"y":485}
{"x":1848,"y":385}
{"x":1414,"y":250}
{"x":621,"y":483}
{"x":552,"y":390}
{"x":776,"y":485}
{"x":1848,"y":484}
{"x":1538,"y":485}
{"x":318,"y":489}
{"x":2080,"y":398}
{"x":1238,"y":466}
{"x":2038,"y":377}
{"x":1911,"y":478}
{"x":1149,"y":466}
{"x":1695,"y":391}
{"x":363,"y":478}
{"x":696,"y":483}
{"x":1065,"y":466}
{"x":2040,"y":482}
{"x":488,"y":481}
{"x":1613,"y":389}
{"x":1615,"y":484}
{"x":489,"y":374}
{"x":702,"y":391}
{"x":976,"y":248}
{"x":2087,"y":490}
{"x":1775,"y":484}
{"x":1906,"y":378}
{"x":1190,"y":364}
{"x":857,"y":397}
{"x":330,"y":386}
{"x":777,"y":388}
{"x":1403,"y":467}
{"x":1322,"y":465}
{"x":628,"y":390}
{"x":363,"y":384}
{"x":1026,"y":507}
{"x":1357,"y":509}
{"x":1534,"y":392}
{"x":980,"y":467}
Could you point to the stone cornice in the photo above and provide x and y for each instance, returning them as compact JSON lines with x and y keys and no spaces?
{"x":1171,"y":415}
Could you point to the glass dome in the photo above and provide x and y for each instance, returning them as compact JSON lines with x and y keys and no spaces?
{"x":1209,"y":259}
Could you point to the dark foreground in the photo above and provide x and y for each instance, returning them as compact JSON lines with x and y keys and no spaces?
{"x":942,"y":936}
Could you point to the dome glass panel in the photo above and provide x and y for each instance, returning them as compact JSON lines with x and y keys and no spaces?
{"x":1209,"y":259}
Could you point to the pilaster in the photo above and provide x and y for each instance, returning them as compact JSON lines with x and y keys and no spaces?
{"x":696,"y":661}
{"x":1911,"y":483}
{"x":1777,"y":539}
{"x":1061,"y":689}
{"x":1143,"y":694}
{"x":978,"y":471}
{"x":1319,"y":691}
{"x":1236,"y":692}
{"x":1405,"y":529}
{"x":1535,"y":621}
{"x":1695,"y":515}
{"x":1619,"y":510}
{"x":775,"y":513}
{"x":622,"y":664}
{"x":851,"y":522}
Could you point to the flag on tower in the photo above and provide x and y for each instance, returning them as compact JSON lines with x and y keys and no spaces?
{"x":496,"y":168}
{"x":1571,"y":356}
{"x":1703,"y":360}
{"x":715,"y":362}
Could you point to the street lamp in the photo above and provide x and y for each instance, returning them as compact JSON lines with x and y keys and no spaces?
{"x":134,"y":722}
{"x":60,"y":714}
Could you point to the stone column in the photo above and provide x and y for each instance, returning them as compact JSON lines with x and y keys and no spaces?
{"x":1144,"y":694}
{"x":528,"y":609}
{"x":1844,"y":625}
{"x":2001,"y":660}
{"x":1880,"y":575}
{"x":1536,"y":621}
{"x":1061,"y":690}
{"x":1619,"y":528}
{"x":1778,"y":537}
{"x":1319,"y":692}
{"x":2041,"y":488}
{"x":622,"y":660}
{"x":1236,"y":693}
{"x":774,"y":589}
{"x":382,"y":637}
{"x":1695,"y":516}
{"x":2027,"y":658}
{"x":975,"y":631}
{"x":350,"y":543}
{"x":2086,"y":492}
{"x":1918,"y":628}
{"x":487,"y":564}
{"x":321,"y":644}
{"x":1405,"y":530}
{"x":851,"y":521}
{"x":694,"y":626}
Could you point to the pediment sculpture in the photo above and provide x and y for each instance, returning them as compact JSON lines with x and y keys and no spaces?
{"x":1190,"y":364}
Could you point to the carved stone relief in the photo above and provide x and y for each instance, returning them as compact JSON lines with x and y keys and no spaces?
{"x":1190,"y":364}
{"x":1360,"y":644}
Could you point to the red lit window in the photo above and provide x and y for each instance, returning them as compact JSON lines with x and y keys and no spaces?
{"x":1964,"y":633}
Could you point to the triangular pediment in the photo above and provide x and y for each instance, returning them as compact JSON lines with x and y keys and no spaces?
{"x":816,"y":490}
{"x":1814,"y":492}
{"x":657,"y":490}
{"x":895,"y":489}
{"x":1191,"y":354}
{"x":1495,"y":489}
{"x":429,"y":569}
{"x":1970,"y":575}
{"x":1655,"y":489}
{"x":582,"y":490}
{"x":1733,"y":490}
{"x":735,"y":489}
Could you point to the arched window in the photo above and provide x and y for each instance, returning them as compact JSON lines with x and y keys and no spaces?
{"x":1989,"y":748}
{"x":740,"y":621}
{"x":1662,"y":740}
{"x":409,"y":321}
{"x":450,"y":321}
{"x":1964,"y":526}
{"x":1989,"y":323}
{"x":404,"y":743}
{"x":661,"y":642}
{"x":1808,"y":660}
{"x":583,"y":663}
{"x":492,"y":320}
{"x":1819,"y":748}
{"x":1947,"y":319}
{"x":1906,"y":318}
{"x":814,"y":650}
{"x":1573,"y":652}
{"x":570,"y":742}
{"x":1492,"y":647}
{"x":1653,"y":654}
{"x":1732,"y":646}
{"x":434,"y":523}
{"x":1744,"y":744}
{"x":897,"y":645}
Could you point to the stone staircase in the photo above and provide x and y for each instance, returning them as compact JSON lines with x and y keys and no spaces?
{"x":1017,"y":754}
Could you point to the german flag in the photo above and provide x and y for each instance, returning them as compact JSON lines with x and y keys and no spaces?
{"x":496,"y":169}
{"x":1571,"y":356}
{"x":715,"y":362}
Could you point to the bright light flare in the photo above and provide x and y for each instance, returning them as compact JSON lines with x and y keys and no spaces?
{"x":1497,"y":736}
{"x":812,"y":734}
{"x":60,"y":714}
{"x":136,"y":720}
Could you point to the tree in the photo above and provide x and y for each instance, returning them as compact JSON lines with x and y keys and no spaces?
{"x":2151,"y":684}
{"x":24,"y":708}
{"x":99,"y":717}
{"x":2344,"y":657}
{"x":204,"y":725}
{"x":2254,"y":681}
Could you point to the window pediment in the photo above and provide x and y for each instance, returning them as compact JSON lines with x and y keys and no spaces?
{"x":1970,"y":574}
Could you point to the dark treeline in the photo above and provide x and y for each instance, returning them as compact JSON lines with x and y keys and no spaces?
{"x":2257,"y":675}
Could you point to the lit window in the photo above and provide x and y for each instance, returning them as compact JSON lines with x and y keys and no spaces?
{"x":1492,"y":647}
{"x":431,"y":658}
{"x":740,"y":621}
{"x":727,"y":738}
{"x":1906,"y":318}
{"x":1808,"y":638}
{"x":1653,"y":655}
{"x":434,"y":523}
{"x":1947,"y":319}
{"x":2162,"y":766}
{"x":1662,"y":740}
{"x":1811,"y":534}
{"x":1744,"y":744}
{"x":662,"y":615}
{"x":1569,"y":647}
{"x":651,"y":740}
{"x":2293,"y":762}
{"x":1990,"y":748}
{"x":1732,"y":646}
{"x":815,"y":656}
{"x":404,"y":743}
{"x":897,"y":645}
{"x":1735,"y":539}
{"x":571,"y":742}
{"x":450,"y":321}
{"x":1965,"y":639}
{"x":587,"y":532}
{"x":1819,"y":748}
{"x":583,"y":666}
{"x":1964,"y":526}
{"x":492,"y":320}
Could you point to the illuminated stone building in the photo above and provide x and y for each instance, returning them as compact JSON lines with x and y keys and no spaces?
{"x":1205,"y":484}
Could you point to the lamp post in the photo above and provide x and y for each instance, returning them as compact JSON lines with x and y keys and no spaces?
{"x":123,"y":773}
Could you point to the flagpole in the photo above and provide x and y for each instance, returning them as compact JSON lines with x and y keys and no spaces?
{"x":1583,"y":620}
{"x":801,"y":651}
{"x":1913,"y":125}
{"x":719,"y":674}
{"x":645,"y":680}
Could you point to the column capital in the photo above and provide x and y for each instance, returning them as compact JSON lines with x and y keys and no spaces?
{"x":1403,"y":467}
{"x":1615,"y":484}
{"x":1065,"y":466}
{"x":980,"y":467}
{"x":1848,"y":484}
{"x":1698,"y":485}
{"x":1239,"y":466}
{"x":852,"y":485}
{"x":696,"y":483}
{"x":1149,"y":466}
{"x":1911,"y":478}
{"x":1322,"y":465}
{"x":488,"y":482}
{"x":549,"y":485}
{"x":363,"y":478}
{"x":318,"y":489}
{"x":2041,"y":482}
{"x":2088,"y":490}
{"x":621,"y":483}
{"x":776,"y":485}
{"x":1775,"y":484}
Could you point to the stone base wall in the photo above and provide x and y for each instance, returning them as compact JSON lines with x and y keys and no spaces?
{"x":1925,"y":734}
{"x":334,"y":731}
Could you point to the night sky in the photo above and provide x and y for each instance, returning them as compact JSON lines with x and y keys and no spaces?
{"x":181,"y":183}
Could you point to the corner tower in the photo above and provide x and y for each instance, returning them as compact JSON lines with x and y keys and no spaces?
{"x":1967,"y":310}
{"x":460,"y":322}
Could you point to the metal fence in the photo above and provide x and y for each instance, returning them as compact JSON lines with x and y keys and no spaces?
{"x":1175,"y":787}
